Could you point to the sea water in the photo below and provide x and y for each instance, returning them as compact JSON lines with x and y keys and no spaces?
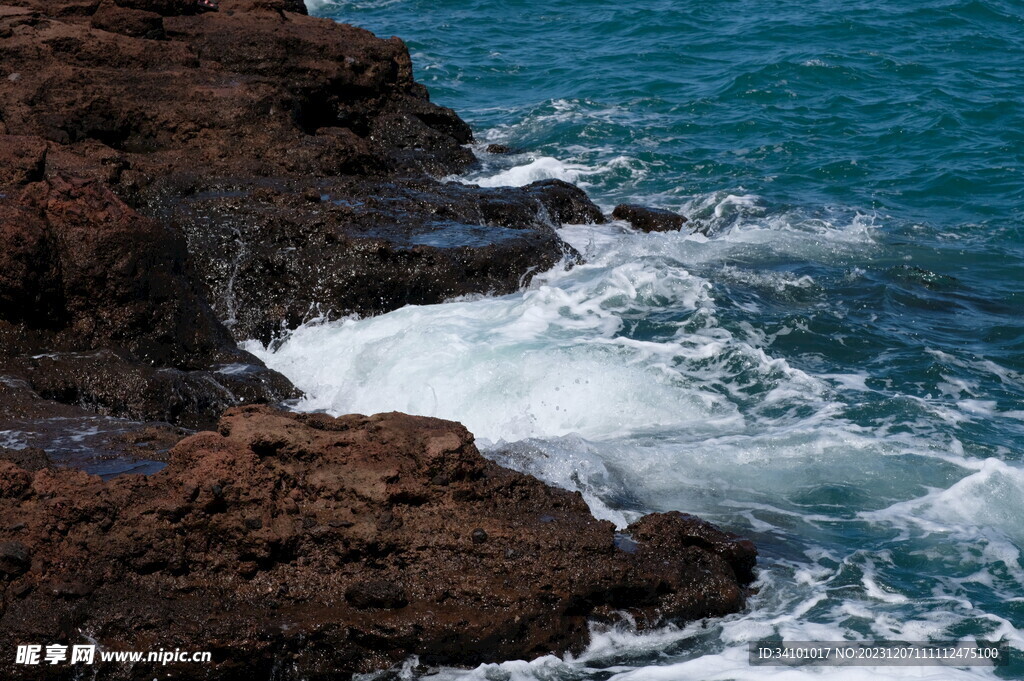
{"x":832,"y":365}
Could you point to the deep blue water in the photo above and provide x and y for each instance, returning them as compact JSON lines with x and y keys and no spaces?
{"x":837,"y":370}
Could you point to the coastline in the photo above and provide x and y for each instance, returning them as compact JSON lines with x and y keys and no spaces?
{"x":184,"y":186}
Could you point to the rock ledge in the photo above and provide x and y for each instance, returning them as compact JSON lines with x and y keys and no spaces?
{"x":325,"y":546}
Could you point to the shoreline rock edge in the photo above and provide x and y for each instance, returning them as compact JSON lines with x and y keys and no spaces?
{"x":320,"y":546}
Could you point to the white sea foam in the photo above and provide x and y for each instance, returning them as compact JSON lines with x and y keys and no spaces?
{"x":541,"y":168}
{"x":315,"y":6}
{"x":547,"y":168}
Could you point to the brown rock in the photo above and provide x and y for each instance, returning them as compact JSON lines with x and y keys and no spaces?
{"x":97,"y":307}
{"x":22,"y":159}
{"x":135,"y":23}
{"x":170,"y":125}
{"x":29,"y":458}
{"x":377,"y":569}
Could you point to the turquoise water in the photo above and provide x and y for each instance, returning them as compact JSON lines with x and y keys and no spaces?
{"x":836,"y":369}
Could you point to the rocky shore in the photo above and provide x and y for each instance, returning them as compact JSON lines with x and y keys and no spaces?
{"x":174,"y":181}
{"x":326,"y":546}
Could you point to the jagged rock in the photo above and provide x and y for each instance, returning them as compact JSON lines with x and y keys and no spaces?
{"x":315,"y":97}
{"x":330,"y":543}
{"x":170,"y":125}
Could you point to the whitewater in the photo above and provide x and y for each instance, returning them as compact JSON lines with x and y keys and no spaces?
{"x":829,"y":359}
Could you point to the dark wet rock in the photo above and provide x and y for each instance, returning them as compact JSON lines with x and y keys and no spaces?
{"x":376,"y":593}
{"x":499,"y":149}
{"x":14,"y":558}
{"x":271,"y":257}
{"x":151,"y":441}
{"x":357,"y":560}
{"x":567,"y":203}
{"x":75,"y":435}
{"x":677,"y":531}
{"x":108,"y":383}
{"x":29,"y":458}
{"x":649,"y":219}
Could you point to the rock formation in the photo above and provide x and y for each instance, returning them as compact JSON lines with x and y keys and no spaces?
{"x":267,"y":165}
{"x":318,"y":547}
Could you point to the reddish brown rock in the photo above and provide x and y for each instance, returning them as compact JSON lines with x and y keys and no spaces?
{"x":30,"y":458}
{"x":649,"y":219}
{"x":22,"y":159}
{"x":319,"y":547}
{"x":313,"y":96}
{"x":98,"y":308}
{"x":135,"y":23}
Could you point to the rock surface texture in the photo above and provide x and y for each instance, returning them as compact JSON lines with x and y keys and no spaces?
{"x":231,"y":125}
{"x":98,"y":308}
{"x":318,"y":546}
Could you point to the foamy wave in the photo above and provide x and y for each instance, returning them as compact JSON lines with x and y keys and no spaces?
{"x":991,"y":498}
{"x":315,"y":6}
{"x":543,"y":168}
{"x":548,"y":168}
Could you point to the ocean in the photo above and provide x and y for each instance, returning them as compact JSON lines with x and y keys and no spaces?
{"x":832,"y":365}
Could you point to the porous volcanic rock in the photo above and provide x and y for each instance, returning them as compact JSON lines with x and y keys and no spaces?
{"x":311,"y":547}
{"x":251,"y":90}
{"x":649,"y":219}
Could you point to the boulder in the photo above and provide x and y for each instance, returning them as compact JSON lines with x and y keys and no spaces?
{"x":649,"y":219}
